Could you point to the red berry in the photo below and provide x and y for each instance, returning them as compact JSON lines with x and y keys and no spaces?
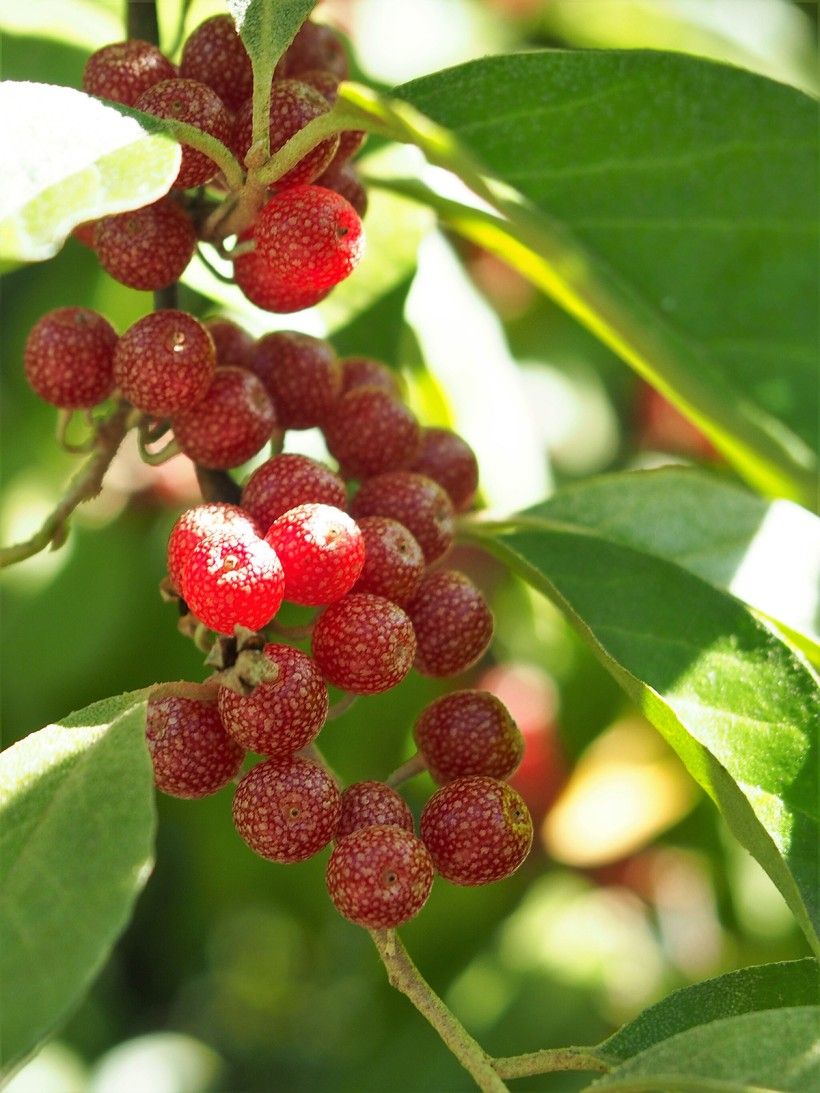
{"x":345,"y":180}
{"x":230,"y":423}
{"x":379,"y":877}
{"x":415,"y":501}
{"x":468,"y":732}
{"x":192,"y":754}
{"x":261,"y":284}
{"x":315,"y":46}
{"x":196,"y":104}
{"x":199,"y":522}
{"x":367,"y":803}
{"x":214,"y":55}
{"x":124,"y":70}
{"x":302,"y":376}
{"x":84,"y":233}
{"x":451,"y":462}
{"x":478,"y":830}
{"x":147,"y":248}
{"x":365,"y":372}
{"x":287,"y":809}
{"x":233,"y":344}
{"x":364,"y":644}
{"x":282,"y":716}
{"x":68,"y":357}
{"x":452,"y":621}
{"x":287,"y":481}
{"x":393,"y":560}
{"x":321,"y":550}
{"x":164,"y":362}
{"x":325,"y":82}
{"x":369,"y":432}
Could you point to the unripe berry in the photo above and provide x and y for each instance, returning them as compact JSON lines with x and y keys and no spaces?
{"x":197,"y":105}
{"x":302,"y":375}
{"x":210,"y":519}
{"x":379,"y":877}
{"x":365,"y":804}
{"x":124,"y":70}
{"x":365,"y":372}
{"x":478,"y":830}
{"x":393,"y":560}
{"x":68,"y":357}
{"x":449,"y":460}
{"x":230,"y":423}
{"x":452,"y":621}
{"x":468,"y":732}
{"x":364,"y":644}
{"x":233,"y":345}
{"x":345,"y":180}
{"x":192,"y":754}
{"x":288,"y":480}
{"x":315,"y":46}
{"x":214,"y":55}
{"x":415,"y":501}
{"x":261,"y":284}
{"x":321,"y":550}
{"x":165,"y":362}
{"x":287,"y":809}
{"x":281,"y":716}
{"x":369,"y":432}
{"x":147,"y":248}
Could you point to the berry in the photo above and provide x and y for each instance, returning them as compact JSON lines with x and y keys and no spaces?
{"x":365,"y":372}
{"x":478,"y":830}
{"x":325,"y":82}
{"x":315,"y":46}
{"x":452,"y":621}
{"x":369,"y":432}
{"x":393,"y":560}
{"x":287,"y":809}
{"x":367,"y":803}
{"x":302,"y":376}
{"x":232,"y":578}
{"x":192,"y":754}
{"x":281,"y":716}
{"x":84,"y":233}
{"x":321,"y":550}
{"x":124,"y":70}
{"x":196,"y":104}
{"x":164,"y":362}
{"x":364,"y":644}
{"x":147,"y":248}
{"x":379,"y":877}
{"x":345,"y":180}
{"x":468,"y":732}
{"x":261,"y":284}
{"x":230,"y":423}
{"x":415,"y":501}
{"x":195,"y":524}
{"x":233,"y":344}
{"x":214,"y":55}
{"x":68,"y":357}
{"x":288,"y":480}
{"x":451,"y":462}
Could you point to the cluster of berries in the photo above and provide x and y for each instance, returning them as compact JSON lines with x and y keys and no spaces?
{"x":308,"y":236}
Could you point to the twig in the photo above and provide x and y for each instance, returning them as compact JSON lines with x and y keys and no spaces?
{"x":409,"y":769}
{"x":217,"y":485}
{"x":550,"y":1060}
{"x":340,"y":707}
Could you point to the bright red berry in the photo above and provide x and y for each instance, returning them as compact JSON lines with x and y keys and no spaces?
{"x":287,"y":809}
{"x":367,"y":803}
{"x":147,"y":248}
{"x":214,"y":55}
{"x":345,"y":180}
{"x":369,"y":432}
{"x":451,"y":462}
{"x":230,"y":423}
{"x":415,"y":501}
{"x":478,"y":830}
{"x":364,"y":644}
{"x":192,"y":754}
{"x":321,"y":550}
{"x":281,"y":716}
{"x":452,"y":621}
{"x":393,"y":560}
{"x":315,"y":46}
{"x":196,"y":104}
{"x":124,"y":70}
{"x":202,"y":521}
{"x":261,"y":284}
{"x":468,"y":732}
{"x":365,"y":372}
{"x":288,"y":480}
{"x":379,"y":877}
{"x":68,"y":357}
{"x":165,"y":362}
{"x":233,"y":344}
{"x":302,"y":375}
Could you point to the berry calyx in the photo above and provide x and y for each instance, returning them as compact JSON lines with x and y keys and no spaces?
{"x":321,"y":550}
{"x":122,"y":71}
{"x":233,"y":345}
{"x":215,"y":55}
{"x":68,"y":357}
{"x":468,"y":732}
{"x":288,"y":480}
{"x":370,"y":433}
{"x":452,"y":621}
{"x":364,"y":644}
{"x":191,"y":753}
{"x":393,"y":560}
{"x":230,"y":423}
{"x":164,"y":362}
{"x":196,"y":524}
{"x":147,"y":248}
{"x":301,"y":374}
{"x":415,"y":501}
{"x":196,"y":104}
{"x":449,"y":460}
{"x":365,"y":804}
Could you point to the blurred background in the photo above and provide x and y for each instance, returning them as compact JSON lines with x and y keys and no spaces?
{"x":236,"y":975}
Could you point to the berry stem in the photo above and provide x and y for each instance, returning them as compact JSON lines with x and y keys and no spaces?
{"x":548,"y":1061}
{"x":141,"y":21}
{"x":340,"y":707}
{"x":292,"y":633}
{"x":409,"y":769}
{"x":203,"y":142}
{"x":302,"y":142}
{"x":217,"y":485}
{"x":64,"y":418}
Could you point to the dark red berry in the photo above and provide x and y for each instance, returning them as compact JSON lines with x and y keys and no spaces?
{"x":478,"y":830}
{"x":196,"y":104}
{"x":345,"y":180}
{"x":468,"y":732}
{"x":367,"y":803}
{"x":68,"y":357}
{"x":393,"y":560}
{"x":124,"y":70}
{"x":415,"y":501}
{"x":451,"y":462}
{"x":165,"y":362}
{"x":365,"y":372}
{"x":364,"y":644}
{"x":370,"y":432}
{"x":230,"y":423}
{"x":261,"y":284}
{"x":282,"y":716}
{"x":192,"y":754}
{"x":315,"y":46}
{"x":379,"y":877}
{"x":233,"y":345}
{"x":148,"y":248}
{"x":288,"y":480}
{"x":84,"y":233}
{"x":325,"y":82}
{"x":214,"y":55}
{"x":321,"y":550}
{"x":287,"y":809}
{"x":452,"y":621}
{"x":302,"y":375}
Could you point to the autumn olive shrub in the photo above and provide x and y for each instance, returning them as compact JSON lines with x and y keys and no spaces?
{"x":680,"y":235}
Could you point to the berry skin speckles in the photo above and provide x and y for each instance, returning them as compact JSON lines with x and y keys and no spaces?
{"x":367,"y":803}
{"x":214,"y":55}
{"x":321,"y":550}
{"x":364,"y":644}
{"x":164,"y":362}
{"x":122,"y":71}
{"x":468,"y":732}
{"x":148,"y":248}
{"x":288,"y":480}
{"x":417,"y":502}
{"x":69,"y":356}
{"x":229,"y":424}
{"x":452,"y":621}
{"x":191,"y":753}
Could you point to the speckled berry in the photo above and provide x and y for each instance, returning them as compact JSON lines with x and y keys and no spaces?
{"x":191,"y":753}
{"x":233,"y":344}
{"x":164,"y":362}
{"x":195,"y":104}
{"x":230,"y":423}
{"x":449,"y":460}
{"x":212,"y":518}
{"x":379,"y":877}
{"x":365,"y":372}
{"x":367,"y":803}
{"x":147,"y":248}
{"x":68,"y":357}
{"x":478,"y":830}
{"x":393,"y":560}
{"x":315,"y":46}
{"x":302,"y":375}
{"x":288,"y":480}
{"x":282,"y":716}
{"x":214,"y":55}
{"x":287,"y":809}
{"x":261,"y":284}
{"x":415,"y":501}
{"x":452,"y":621}
{"x":468,"y":732}
{"x":344,"y":179}
{"x":364,"y":644}
{"x":325,"y":82}
{"x":321,"y":550}
{"x":122,"y":71}
{"x":370,"y":432}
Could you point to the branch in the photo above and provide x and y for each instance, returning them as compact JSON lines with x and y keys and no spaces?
{"x":549,"y":1060}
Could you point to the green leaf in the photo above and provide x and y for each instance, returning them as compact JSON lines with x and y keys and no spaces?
{"x":75,"y":159}
{"x":752,"y":1053}
{"x":76,"y":837}
{"x":267,"y":27}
